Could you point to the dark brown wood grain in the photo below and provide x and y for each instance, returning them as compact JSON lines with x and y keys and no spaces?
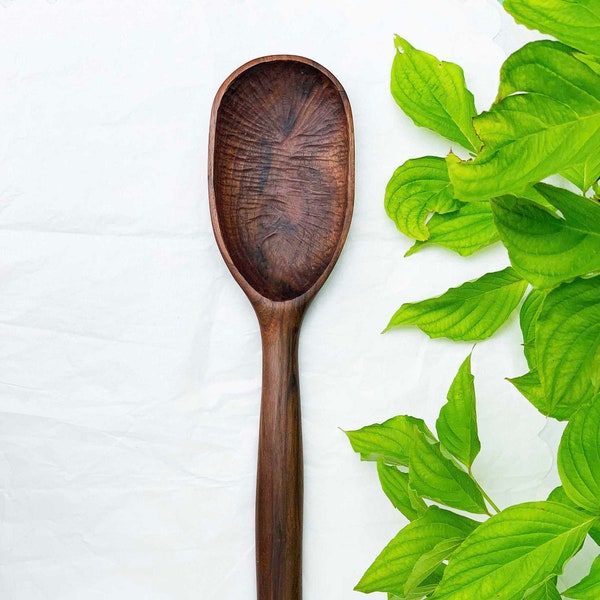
{"x":281,"y":186}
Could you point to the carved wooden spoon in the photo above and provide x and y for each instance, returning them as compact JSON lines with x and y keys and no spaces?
{"x":281,"y":185}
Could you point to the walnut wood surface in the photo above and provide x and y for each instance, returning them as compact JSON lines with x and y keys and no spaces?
{"x":281,"y":185}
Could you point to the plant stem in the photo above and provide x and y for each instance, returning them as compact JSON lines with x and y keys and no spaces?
{"x":483,"y":493}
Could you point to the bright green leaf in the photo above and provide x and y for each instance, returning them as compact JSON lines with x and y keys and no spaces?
{"x":390,"y":441}
{"x":391,"y":569}
{"x":567,"y":333}
{"x":576,"y":23}
{"x":433,"y":94}
{"x":593,"y":62}
{"x":589,"y":587}
{"x":530,"y":386}
{"x":465,"y":230}
{"x":457,"y":423}
{"x":396,"y":487}
{"x":579,"y":458}
{"x":438,"y":478}
{"x":470,"y":312}
{"x":418,"y":188}
{"x":429,"y":562}
{"x":546,"y":591}
{"x":547,"y":249}
{"x":528,"y":317}
{"x":558,"y":495}
{"x":552,"y":69}
{"x":531,"y":193}
{"x":425,"y":588}
{"x":568,"y":346}
{"x":514,"y":552}
{"x":526,"y":137}
{"x":585,"y":174}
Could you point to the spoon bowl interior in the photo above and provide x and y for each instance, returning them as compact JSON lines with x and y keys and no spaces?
{"x":281,"y":168}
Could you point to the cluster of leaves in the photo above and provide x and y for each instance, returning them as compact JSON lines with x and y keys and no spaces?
{"x":518,"y":552}
{"x":545,"y":121}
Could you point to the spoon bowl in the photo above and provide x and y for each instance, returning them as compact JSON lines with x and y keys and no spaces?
{"x":281,"y":186}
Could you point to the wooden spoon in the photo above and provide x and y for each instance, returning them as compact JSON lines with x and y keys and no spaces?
{"x":281,"y":185}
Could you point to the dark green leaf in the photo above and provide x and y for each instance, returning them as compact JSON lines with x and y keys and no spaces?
{"x":457,"y":423}
{"x":433,"y":94}
{"x":392,"y":568}
{"x":470,"y":312}
{"x":576,"y":23}
{"x":579,"y":458}
{"x":395,"y":486}
{"x":390,"y":441}
{"x":514,"y":552}
{"x":589,"y":587}
{"x":465,"y":230}
{"x":418,"y":188}
{"x":547,"y":249}
{"x":438,"y":478}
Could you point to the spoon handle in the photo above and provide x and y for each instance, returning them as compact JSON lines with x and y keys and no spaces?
{"x":279,"y":488}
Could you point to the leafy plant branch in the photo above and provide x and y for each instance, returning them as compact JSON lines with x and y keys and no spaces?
{"x":545,"y":121}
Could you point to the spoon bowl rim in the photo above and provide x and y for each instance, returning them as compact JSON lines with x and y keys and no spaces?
{"x":255,"y":297}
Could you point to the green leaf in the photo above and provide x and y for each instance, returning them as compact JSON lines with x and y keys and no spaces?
{"x":547,"y":249}
{"x":418,"y":188}
{"x":567,"y":333}
{"x":546,"y":591}
{"x":514,"y":552}
{"x":390,"y":441}
{"x":585,"y":174}
{"x":576,"y":23}
{"x":528,"y":317}
{"x":530,"y":386}
{"x":568,"y":346}
{"x":526,"y":137}
{"x":558,"y":495}
{"x":589,"y":587}
{"x":531,"y":193}
{"x":394,"y":565}
{"x":553,"y":69}
{"x":433,"y":94}
{"x":465,"y":230}
{"x":429,"y":562}
{"x":579,"y":458}
{"x":425,"y":589}
{"x":438,"y":478}
{"x":470,"y":312}
{"x":593,"y":62}
{"x":396,"y":487}
{"x":457,"y":423}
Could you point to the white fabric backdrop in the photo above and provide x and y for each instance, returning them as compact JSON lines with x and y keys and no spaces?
{"x":129,"y":358}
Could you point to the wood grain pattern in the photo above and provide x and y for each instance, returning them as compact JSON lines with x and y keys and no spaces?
{"x":281,"y":186}
{"x":282,"y":175}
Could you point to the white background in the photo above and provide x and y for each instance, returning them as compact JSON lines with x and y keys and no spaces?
{"x":129,"y":358}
